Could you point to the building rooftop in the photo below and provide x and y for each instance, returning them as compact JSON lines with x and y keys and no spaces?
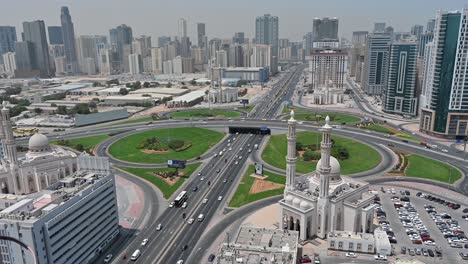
{"x":167,"y":91}
{"x":261,"y":245}
{"x":190,"y":96}
{"x":356,"y":236}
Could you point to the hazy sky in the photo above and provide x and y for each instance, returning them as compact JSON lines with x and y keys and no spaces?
{"x":222,"y":18}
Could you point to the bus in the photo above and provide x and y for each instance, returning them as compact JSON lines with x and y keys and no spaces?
{"x":180,"y":199}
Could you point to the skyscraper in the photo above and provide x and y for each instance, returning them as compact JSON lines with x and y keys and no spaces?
{"x":182,"y":26}
{"x":55,"y":35}
{"x":444,"y":104}
{"x":68,"y":32}
{"x":327,"y":67}
{"x":417,"y":30}
{"x":399,"y":95}
{"x":379,"y":27}
{"x":201,"y":34}
{"x":325,"y":29}
{"x":422,"y":41}
{"x":239,"y":38}
{"x":121,"y":36}
{"x":86,"y":47}
{"x":7,"y":39}
{"x":308,"y":44}
{"x":430,"y":25}
{"x":266,"y":32}
{"x":35,"y":33}
{"x":375,"y":68}
{"x":25,"y":60}
{"x":163,"y":40}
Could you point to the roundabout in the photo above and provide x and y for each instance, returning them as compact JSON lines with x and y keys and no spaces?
{"x":159,"y":145}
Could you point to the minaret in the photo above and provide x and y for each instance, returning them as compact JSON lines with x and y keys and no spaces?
{"x":10,"y":144}
{"x":324,"y":171}
{"x":2,"y":139}
{"x":291,"y":157}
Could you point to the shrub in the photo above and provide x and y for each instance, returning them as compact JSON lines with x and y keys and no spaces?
{"x":311,"y":155}
{"x":176,"y":144}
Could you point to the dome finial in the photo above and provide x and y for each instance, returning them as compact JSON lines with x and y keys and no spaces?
{"x":327,"y":120}
{"x":292,"y":114}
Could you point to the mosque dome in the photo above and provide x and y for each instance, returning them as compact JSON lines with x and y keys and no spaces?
{"x":38,"y":143}
{"x":296,"y":202}
{"x":289,"y":199}
{"x":304,"y":205}
{"x":335,"y":167}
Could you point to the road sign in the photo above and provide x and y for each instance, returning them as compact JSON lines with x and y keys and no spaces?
{"x":258,"y":169}
{"x":178,"y":164}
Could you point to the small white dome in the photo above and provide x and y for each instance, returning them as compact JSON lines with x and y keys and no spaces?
{"x":296,"y":201}
{"x":38,"y":142}
{"x":288,"y":199}
{"x":304,"y":205}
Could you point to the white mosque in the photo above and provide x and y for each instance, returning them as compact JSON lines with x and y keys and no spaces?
{"x":323,"y":201}
{"x":41,"y":167}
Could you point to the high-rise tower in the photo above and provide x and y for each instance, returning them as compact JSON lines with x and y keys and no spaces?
{"x":68,"y":33}
{"x":291,"y":157}
{"x":266,"y":32}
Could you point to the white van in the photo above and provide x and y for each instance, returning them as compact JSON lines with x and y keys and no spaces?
{"x":220,"y":153}
{"x":136,"y":254}
{"x":200,"y":217}
{"x":256,"y":146}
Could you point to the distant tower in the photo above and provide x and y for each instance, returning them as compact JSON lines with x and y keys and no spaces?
{"x":291,"y":157}
{"x":10,"y":144}
{"x":2,"y":139}
{"x":324,"y":171}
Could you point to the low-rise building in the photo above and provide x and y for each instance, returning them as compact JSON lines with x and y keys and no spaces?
{"x":187,"y":100}
{"x":130,"y":99}
{"x":257,"y":74}
{"x":260,"y":245}
{"x":349,"y":241}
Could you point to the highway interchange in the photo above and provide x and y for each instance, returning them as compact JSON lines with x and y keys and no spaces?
{"x":165,"y":246}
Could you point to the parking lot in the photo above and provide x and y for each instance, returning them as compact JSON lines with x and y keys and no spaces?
{"x":423,"y":227}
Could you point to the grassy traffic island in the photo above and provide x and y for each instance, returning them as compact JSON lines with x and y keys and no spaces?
{"x":387,"y":130}
{"x":354,"y":157}
{"x":255,"y":187}
{"x":158,"y":146}
{"x":205,"y":113}
{"x":165,"y":179}
{"x":413,"y":165}
{"x":82,"y":144}
{"x":302,"y":114}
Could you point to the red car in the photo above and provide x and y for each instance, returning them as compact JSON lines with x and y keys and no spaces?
{"x":305,"y":259}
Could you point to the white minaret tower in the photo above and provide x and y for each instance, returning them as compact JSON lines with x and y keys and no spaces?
{"x":10,"y":143}
{"x":324,"y":171}
{"x":291,"y":157}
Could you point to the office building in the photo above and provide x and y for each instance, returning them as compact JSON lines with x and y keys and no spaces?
{"x":163,"y":40}
{"x":417,"y":30}
{"x":122,"y":36}
{"x":399,"y":95}
{"x":60,"y":64}
{"x":86,"y":47}
{"x":359,"y":37}
{"x":135,"y":63}
{"x":430,"y":25}
{"x":201,"y":35}
{"x":142,"y":45}
{"x":266,"y":32}
{"x":56,"y":51}
{"x":35,"y":33}
{"x":9,"y":62}
{"x":48,"y":221}
{"x":235,"y":56}
{"x":157,"y":59}
{"x":308,"y":42}
{"x":323,"y":201}
{"x":379,"y":27}
{"x":182,"y":27}
{"x":108,"y":59}
{"x":55,"y":35}
{"x":25,"y":60}
{"x":375,"y":68}
{"x":327,"y":69}
{"x":68,"y":32}
{"x":325,"y":29}
{"x":444,"y":104}
{"x":239,"y":38}
{"x":221,"y":58}
{"x":7,"y":40}
{"x":214,"y":46}
{"x":422,"y":41}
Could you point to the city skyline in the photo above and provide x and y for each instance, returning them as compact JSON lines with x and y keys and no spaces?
{"x":294,"y":22}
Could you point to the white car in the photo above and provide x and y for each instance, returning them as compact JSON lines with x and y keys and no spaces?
{"x":171,"y":205}
{"x":351,"y":255}
{"x":444,"y":150}
{"x":202,"y":178}
{"x":144,"y":242}
{"x":205,"y":201}
{"x":235,"y":163}
{"x":380,"y":257}
{"x":220,"y":198}
{"x":108,"y":258}
{"x":190,"y":221}
{"x":159,"y":227}
{"x":184,"y":205}
{"x":180,"y":262}
{"x":434,"y":146}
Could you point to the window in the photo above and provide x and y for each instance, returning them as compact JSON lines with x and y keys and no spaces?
{"x":340,"y":245}
{"x":351,"y":246}
{"x":332,"y":244}
{"x":370,"y":248}
{"x":358,"y":246}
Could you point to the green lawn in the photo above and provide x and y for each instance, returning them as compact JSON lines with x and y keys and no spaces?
{"x":308,"y":115}
{"x":205,"y":113}
{"x":86,"y":142}
{"x":361,"y":157}
{"x":165,"y":188}
{"x":409,"y":137}
{"x":422,"y":167}
{"x":378,"y":128}
{"x":200,"y":138}
{"x":242,"y":197}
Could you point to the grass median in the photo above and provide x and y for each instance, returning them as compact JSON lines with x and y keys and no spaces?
{"x":82,"y":143}
{"x":422,"y":167}
{"x":166,"y":188}
{"x":247,"y":193}
{"x":205,"y":113}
